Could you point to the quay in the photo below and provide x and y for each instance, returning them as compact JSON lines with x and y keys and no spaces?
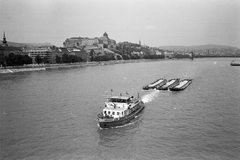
{"x":43,"y":67}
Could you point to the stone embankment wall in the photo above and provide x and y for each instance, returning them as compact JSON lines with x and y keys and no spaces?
{"x":56,"y":66}
{"x":21,"y":70}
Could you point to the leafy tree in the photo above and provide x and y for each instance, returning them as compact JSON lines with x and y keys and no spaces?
{"x":154,"y":56}
{"x":38,"y":59}
{"x":65,"y":58}
{"x":135,"y":56}
{"x":73,"y":58}
{"x":27,"y":59}
{"x":15,"y":60}
{"x":92,"y":53}
{"x":119,"y":57}
{"x":58,"y":59}
{"x":2,"y":60}
{"x":45,"y":59}
{"x":125,"y":56}
{"x":11,"y":59}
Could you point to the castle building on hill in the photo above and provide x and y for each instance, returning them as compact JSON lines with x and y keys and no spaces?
{"x":81,"y":42}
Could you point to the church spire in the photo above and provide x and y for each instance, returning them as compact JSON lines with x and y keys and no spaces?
{"x":4,"y":42}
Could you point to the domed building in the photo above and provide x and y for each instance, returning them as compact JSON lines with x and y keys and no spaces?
{"x":105,"y":34}
{"x":107,"y":42}
{"x":80,"y":42}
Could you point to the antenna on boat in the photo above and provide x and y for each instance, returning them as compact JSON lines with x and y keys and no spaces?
{"x":138,"y":95}
{"x":111,"y":92}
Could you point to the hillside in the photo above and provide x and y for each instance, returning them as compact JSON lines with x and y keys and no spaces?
{"x":29,"y":45}
{"x":208,"y":49}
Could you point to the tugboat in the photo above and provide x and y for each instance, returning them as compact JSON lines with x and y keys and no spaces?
{"x":119,"y":110}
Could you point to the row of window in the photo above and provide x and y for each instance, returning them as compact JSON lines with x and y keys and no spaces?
{"x":113,"y":113}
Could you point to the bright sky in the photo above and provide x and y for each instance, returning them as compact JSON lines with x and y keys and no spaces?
{"x":154,"y":22}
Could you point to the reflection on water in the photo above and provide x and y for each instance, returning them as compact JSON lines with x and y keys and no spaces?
{"x":112,"y":136}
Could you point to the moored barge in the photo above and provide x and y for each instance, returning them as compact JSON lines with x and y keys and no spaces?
{"x":182,"y":85}
{"x":233,"y":63}
{"x":158,"y":82}
{"x":170,"y":83}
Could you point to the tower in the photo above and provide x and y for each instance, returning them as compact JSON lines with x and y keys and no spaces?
{"x":105,"y":35}
{"x":4,"y":42}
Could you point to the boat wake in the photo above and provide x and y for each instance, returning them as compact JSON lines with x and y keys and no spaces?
{"x":150,"y":96}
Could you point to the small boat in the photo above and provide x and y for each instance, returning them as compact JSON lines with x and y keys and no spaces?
{"x":158,"y":82}
{"x":182,"y":85}
{"x":235,"y":63}
{"x":119,"y":110}
{"x":170,"y":83}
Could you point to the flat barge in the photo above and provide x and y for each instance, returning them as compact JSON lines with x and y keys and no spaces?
{"x":170,"y":83}
{"x":153,"y":85}
{"x":183,"y":84}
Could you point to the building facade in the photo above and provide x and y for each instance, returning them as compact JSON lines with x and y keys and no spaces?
{"x":44,"y":53}
{"x":80,"y":42}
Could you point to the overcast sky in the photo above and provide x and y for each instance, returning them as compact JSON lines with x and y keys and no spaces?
{"x":154,"y":22}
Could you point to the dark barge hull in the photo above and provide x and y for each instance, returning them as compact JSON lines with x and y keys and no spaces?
{"x":235,"y":64}
{"x":183,"y":87}
{"x":121,"y":121}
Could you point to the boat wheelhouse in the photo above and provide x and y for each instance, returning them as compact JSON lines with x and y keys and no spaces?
{"x":119,"y":110}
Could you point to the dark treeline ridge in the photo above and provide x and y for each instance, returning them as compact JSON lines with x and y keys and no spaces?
{"x":15,"y":60}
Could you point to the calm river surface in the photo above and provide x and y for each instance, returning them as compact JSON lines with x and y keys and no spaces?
{"x":52,"y":114}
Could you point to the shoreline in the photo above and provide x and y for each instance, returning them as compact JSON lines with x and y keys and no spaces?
{"x":43,"y":67}
{"x":71,"y":65}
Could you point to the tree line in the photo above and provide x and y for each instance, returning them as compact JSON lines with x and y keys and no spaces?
{"x":15,"y":60}
{"x":20,"y":60}
{"x":68,"y":58}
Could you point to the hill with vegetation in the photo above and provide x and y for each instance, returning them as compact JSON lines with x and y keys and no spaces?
{"x":205,"y":50}
{"x":29,"y":45}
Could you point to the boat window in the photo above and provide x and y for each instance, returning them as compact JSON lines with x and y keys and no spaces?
{"x":117,"y":100}
{"x":110,"y":100}
{"x":117,"y":113}
{"x":113,"y":113}
{"x":109,"y":112}
{"x":123,"y":101}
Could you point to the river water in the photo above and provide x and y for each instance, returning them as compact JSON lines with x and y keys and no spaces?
{"x":52,"y":114}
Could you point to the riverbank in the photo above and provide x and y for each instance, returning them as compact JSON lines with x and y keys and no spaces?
{"x":43,"y":67}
